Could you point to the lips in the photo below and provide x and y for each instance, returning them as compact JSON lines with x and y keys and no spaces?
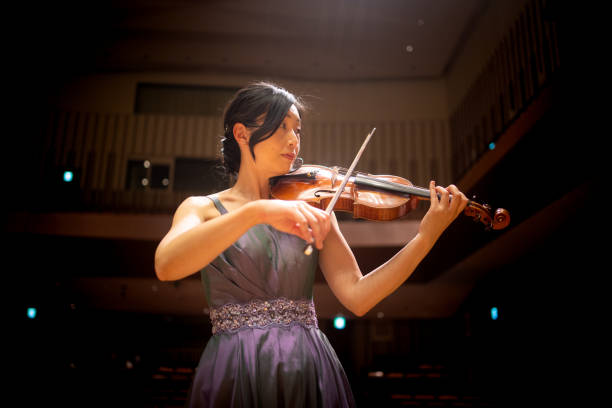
{"x":289,"y":156}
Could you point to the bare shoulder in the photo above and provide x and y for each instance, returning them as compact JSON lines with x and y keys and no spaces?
{"x":200,"y":206}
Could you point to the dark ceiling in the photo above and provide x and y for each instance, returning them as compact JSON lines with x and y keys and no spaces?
{"x":339,"y":40}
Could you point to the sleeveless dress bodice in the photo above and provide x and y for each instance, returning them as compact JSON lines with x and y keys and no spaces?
{"x":269,"y":363}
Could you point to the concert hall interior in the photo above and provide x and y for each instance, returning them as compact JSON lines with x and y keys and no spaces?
{"x":114,"y":119}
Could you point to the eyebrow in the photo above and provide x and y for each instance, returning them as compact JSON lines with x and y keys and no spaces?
{"x":292,"y":116}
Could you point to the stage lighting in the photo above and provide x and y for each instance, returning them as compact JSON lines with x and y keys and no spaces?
{"x":494,"y":313}
{"x":339,"y":322}
{"x":68,"y":176}
{"x":491,"y":146}
{"x":31,"y":312}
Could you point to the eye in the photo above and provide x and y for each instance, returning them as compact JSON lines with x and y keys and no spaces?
{"x":283,"y":126}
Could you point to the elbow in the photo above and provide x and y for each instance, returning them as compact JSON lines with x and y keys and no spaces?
{"x":161,"y":270}
{"x":160,"y":273}
{"x":163,"y":267}
{"x":359,"y":311}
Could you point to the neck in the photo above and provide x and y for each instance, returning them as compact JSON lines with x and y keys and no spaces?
{"x":251,"y":185}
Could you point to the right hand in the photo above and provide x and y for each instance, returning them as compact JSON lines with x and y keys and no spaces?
{"x":298,"y":218}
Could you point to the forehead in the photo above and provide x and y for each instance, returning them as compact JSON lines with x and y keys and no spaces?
{"x":293,"y":113}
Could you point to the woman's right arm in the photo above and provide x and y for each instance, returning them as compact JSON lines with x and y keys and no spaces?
{"x":197,"y":236}
{"x":193,"y":242}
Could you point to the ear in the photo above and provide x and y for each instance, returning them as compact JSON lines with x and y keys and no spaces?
{"x":241,"y":134}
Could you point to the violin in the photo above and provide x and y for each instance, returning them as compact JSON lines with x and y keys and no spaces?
{"x":367,"y":196}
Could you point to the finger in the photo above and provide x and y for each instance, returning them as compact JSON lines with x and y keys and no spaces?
{"x":304,"y":232}
{"x":459,"y":199}
{"x":433,"y":195}
{"x":313,"y":223}
{"x":325,"y":223}
{"x":322,"y":223}
{"x":455,"y":200}
{"x":444,"y":196}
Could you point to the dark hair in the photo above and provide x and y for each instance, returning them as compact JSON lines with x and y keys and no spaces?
{"x":247,"y":105}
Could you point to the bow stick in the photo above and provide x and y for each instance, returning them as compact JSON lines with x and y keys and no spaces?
{"x":330,"y":206}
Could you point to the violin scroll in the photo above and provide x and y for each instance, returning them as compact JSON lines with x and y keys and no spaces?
{"x":482,"y":213}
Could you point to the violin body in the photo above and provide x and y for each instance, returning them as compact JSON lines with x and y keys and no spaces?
{"x":372,"y":197}
{"x":317,"y":185}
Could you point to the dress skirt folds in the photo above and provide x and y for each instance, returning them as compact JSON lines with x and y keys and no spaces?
{"x":266,"y":349}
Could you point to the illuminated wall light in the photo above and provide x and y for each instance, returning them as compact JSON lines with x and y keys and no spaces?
{"x":494,"y":313}
{"x":68,"y":176}
{"x":339,"y":322}
{"x":31,"y":312}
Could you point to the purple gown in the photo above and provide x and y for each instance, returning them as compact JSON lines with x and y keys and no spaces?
{"x":265,"y":363}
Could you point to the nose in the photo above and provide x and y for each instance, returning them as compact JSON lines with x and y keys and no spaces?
{"x":293,"y":138}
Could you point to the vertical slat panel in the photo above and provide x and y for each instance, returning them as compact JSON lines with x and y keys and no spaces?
{"x":158,"y":135}
{"x":514,"y":71}
{"x":107,"y":156}
{"x":169,"y":137}
{"x":79,"y":137}
{"x":306,"y":141}
{"x":212,"y":137}
{"x":412,"y":137}
{"x":99,"y":142}
{"x":537,"y":17}
{"x":404,"y":153}
{"x":527,"y":51}
{"x":135,"y":134}
{"x":131,"y":127}
{"x":381,"y":151}
{"x":445,"y":159}
{"x":199,"y":137}
{"x":118,"y":150}
{"x":394,"y":150}
{"x":87,"y":159}
{"x":522,"y":50}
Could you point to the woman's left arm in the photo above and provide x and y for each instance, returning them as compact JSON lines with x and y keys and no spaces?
{"x":360,"y":293}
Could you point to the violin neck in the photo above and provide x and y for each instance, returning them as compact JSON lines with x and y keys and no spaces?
{"x":389,"y":186}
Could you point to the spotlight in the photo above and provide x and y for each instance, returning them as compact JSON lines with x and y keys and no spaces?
{"x":494,"y":313}
{"x":31,"y":312}
{"x":339,"y":322}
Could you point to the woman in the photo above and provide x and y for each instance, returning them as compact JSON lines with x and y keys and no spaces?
{"x":266,"y":349}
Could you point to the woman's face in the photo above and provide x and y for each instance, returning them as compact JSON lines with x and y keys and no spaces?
{"x":277,"y":153}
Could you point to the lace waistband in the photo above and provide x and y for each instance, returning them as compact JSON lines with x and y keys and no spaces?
{"x":261,"y":313}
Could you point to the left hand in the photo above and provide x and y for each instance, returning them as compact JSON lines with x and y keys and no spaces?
{"x":442,"y":211}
